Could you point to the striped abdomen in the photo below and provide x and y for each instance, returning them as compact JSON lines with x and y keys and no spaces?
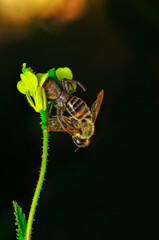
{"x":77,"y":108}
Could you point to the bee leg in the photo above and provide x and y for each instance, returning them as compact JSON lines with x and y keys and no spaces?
{"x":71,"y":81}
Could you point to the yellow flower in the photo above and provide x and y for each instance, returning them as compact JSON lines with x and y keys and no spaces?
{"x":40,"y":99}
{"x":31,"y":85}
{"x":28,"y":83}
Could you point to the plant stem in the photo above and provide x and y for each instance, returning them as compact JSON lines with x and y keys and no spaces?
{"x":39,"y":185}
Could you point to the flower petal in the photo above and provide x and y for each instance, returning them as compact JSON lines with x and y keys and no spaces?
{"x":42,"y":78}
{"x":64,"y":73}
{"x":30,"y":81}
{"x":21,"y":86}
{"x":44,"y":99}
{"x":40,"y":99}
{"x":31,"y":101}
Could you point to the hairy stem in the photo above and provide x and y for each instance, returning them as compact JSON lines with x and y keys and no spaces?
{"x":39,"y":184}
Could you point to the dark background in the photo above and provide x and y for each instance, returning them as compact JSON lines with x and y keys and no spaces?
{"x":110,"y":189}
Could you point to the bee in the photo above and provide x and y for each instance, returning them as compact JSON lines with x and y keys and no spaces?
{"x":80,"y":122}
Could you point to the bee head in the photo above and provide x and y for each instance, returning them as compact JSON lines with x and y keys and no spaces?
{"x":81,"y":142}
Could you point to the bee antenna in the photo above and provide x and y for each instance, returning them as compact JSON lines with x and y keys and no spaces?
{"x":76,"y":149}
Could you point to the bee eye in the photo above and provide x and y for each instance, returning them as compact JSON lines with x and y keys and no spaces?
{"x":78,"y":141}
{"x":81,"y":142}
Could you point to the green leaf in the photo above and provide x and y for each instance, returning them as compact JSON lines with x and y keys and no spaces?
{"x":20,"y":222}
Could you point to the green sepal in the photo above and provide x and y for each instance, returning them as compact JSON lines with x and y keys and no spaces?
{"x":20,"y":222}
{"x":43,"y":119}
{"x":55,"y":105}
{"x":25,"y":69}
{"x":72,"y":89}
{"x":50,"y":102}
{"x":52,"y":73}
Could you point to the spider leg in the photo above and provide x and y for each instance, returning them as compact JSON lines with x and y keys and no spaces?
{"x":61,"y":120}
{"x":51,"y":107}
{"x":78,"y":83}
{"x":64,"y":85}
{"x":71,"y":81}
{"x":59,"y":117}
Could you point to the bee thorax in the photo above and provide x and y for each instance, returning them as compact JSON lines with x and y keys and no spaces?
{"x":87,"y":128}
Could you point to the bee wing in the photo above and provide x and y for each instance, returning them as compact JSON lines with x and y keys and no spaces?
{"x":54,"y":125}
{"x":96,"y":106}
